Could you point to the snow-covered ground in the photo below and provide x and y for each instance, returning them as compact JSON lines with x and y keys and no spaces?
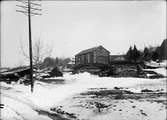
{"x":20,"y":103}
{"x":162,"y":64}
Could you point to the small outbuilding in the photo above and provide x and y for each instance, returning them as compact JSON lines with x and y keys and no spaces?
{"x":117,"y":58}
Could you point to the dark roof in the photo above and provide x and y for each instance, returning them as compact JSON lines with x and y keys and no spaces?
{"x":90,"y":50}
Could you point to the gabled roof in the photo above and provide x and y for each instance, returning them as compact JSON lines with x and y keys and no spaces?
{"x":91,"y":50}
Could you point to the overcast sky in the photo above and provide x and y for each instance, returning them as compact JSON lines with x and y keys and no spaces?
{"x":71,"y":26}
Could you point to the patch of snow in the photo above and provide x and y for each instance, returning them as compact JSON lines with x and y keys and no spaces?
{"x":156,"y":64}
{"x":15,"y":109}
{"x":142,"y":111}
{"x":161,"y":71}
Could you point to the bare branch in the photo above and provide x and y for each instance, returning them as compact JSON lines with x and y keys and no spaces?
{"x":39,"y":52}
{"x":23,"y":51}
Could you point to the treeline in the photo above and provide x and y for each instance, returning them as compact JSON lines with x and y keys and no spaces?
{"x":149,"y":53}
{"x":53,"y":62}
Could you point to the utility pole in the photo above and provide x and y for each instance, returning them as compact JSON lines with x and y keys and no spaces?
{"x":30,"y":46}
{"x":29,"y":8}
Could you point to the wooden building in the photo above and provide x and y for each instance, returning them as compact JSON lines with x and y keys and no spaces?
{"x":93,"y":55}
{"x":117,"y":58}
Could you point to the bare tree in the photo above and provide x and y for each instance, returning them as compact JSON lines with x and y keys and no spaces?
{"x":39,"y":52}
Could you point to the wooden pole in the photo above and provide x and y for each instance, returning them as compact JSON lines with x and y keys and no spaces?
{"x":30,"y":46}
{"x":27,"y":11}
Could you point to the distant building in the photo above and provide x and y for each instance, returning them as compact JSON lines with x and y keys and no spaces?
{"x":162,"y":50}
{"x":71,"y":63}
{"x":115,"y":58}
{"x":93,"y":55}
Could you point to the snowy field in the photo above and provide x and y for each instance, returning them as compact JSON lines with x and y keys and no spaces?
{"x":21,"y":104}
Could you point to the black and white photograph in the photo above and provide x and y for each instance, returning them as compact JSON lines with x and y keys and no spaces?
{"x":83,"y":60}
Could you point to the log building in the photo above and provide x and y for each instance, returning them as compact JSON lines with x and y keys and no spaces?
{"x":93,"y":55}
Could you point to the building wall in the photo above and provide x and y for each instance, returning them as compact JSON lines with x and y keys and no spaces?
{"x":92,"y":57}
{"x":82,"y":59}
{"x":102,"y":59}
{"x":89,"y":58}
{"x":100,"y":55}
{"x":102,"y":52}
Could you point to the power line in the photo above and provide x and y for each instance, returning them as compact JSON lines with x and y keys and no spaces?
{"x":25,"y":12}
{"x":28,"y":9}
{"x":35,"y":8}
{"x":25,"y":2}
